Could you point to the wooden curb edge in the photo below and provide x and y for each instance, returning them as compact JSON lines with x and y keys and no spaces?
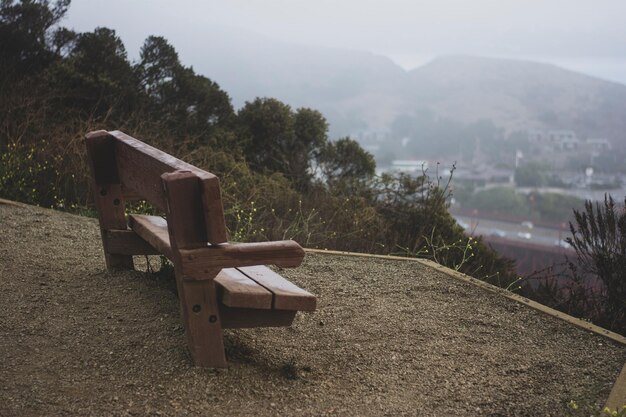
{"x":14,"y":203}
{"x":617,"y":396}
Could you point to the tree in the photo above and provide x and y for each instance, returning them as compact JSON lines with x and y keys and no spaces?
{"x":188,"y":104}
{"x":532,"y":174}
{"x":158,"y":66}
{"x":278,"y":140}
{"x":499,"y":199}
{"x":599,"y":239}
{"x":344,"y":160}
{"x":25,"y":34}
{"x":194,"y":106}
{"x":310,"y":136}
{"x":27,"y":51}
{"x":63,"y":42}
{"x":96,"y":77}
{"x":416,"y":215}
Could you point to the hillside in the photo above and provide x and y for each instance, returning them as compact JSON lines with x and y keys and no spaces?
{"x":518,"y":95}
{"x":390,"y":337}
{"x":362,"y":91}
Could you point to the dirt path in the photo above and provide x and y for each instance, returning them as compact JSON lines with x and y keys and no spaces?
{"x":389,"y":338}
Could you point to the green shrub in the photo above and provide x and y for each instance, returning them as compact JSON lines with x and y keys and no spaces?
{"x":24,"y":177}
{"x":599,"y":239}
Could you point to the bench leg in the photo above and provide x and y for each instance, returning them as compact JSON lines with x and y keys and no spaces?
{"x":201,"y":318}
{"x":116,"y":262}
{"x":109,"y":198}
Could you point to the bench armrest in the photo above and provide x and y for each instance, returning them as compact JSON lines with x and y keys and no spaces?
{"x":284,"y":254}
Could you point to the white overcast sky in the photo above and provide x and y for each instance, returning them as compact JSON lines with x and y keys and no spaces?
{"x":584,"y":35}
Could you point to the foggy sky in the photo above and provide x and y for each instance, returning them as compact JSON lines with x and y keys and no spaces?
{"x":583,"y":35}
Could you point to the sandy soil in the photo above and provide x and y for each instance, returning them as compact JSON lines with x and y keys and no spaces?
{"x":389,"y":338}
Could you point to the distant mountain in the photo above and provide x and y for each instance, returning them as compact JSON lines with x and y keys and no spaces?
{"x":363,"y":91}
{"x":519,"y":95}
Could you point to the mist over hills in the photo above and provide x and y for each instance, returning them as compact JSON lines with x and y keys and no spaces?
{"x":249,"y":65}
{"x":361,"y":91}
{"x":519,"y":95}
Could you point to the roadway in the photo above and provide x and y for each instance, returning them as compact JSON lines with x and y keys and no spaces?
{"x":520,"y":232}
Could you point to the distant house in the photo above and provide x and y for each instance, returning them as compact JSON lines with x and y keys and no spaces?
{"x":598,"y":144}
{"x":409,"y":166}
{"x":372,"y":139}
{"x":561,"y":140}
{"x":371,"y":136}
{"x":484,"y":175}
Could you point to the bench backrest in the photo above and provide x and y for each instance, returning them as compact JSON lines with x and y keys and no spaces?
{"x":143,"y":171}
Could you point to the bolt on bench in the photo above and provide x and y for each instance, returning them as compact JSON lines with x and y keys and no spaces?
{"x":220,"y":285}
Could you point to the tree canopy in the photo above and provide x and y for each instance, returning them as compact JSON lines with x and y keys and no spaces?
{"x":345,"y":160}
{"x":277,"y":139}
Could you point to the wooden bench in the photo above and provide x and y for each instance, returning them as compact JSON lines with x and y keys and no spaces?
{"x":220,"y":285}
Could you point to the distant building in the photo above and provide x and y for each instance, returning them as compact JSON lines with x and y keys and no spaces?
{"x":562,"y":140}
{"x":484,"y":175}
{"x":598,"y":144}
{"x":371,"y":136}
{"x":562,"y":148}
{"x":372,"y":140}
{"x":409,"y":166}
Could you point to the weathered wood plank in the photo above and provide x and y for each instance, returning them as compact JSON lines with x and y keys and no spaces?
{"x":235,"y":289}
{"x":198,"y":299}
{"x":237,"y":318}
{"x":127,"y":242}
{"x":215,"y":225}
{"x":152,"y":229}
{"x":202,"y":321}
{"x":108,"y":198}
{"x":141,"y":167}
{"x":185,"y":209}
{"x":287,"y":295}
{"x":284,"y":254}
{"x":272,"y":291}
{"x":101,"y":150}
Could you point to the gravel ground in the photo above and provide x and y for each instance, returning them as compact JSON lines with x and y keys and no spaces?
{"x":389,"y":338}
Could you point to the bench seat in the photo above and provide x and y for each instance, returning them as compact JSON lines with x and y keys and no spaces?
{"x":247,"y":287}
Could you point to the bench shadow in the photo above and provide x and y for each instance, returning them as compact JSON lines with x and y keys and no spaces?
{"x":239,"y":351}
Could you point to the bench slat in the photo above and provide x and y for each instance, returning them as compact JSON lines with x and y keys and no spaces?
{"x":152,"y":229}
{"x":127,"y":242}
{"x":238,"y":290}
{"x":140,"y":167}
{"x":287,"y":295}
{"x":283,"y":253}
{"x":271,"y":291}
{"x":247,"y":287}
